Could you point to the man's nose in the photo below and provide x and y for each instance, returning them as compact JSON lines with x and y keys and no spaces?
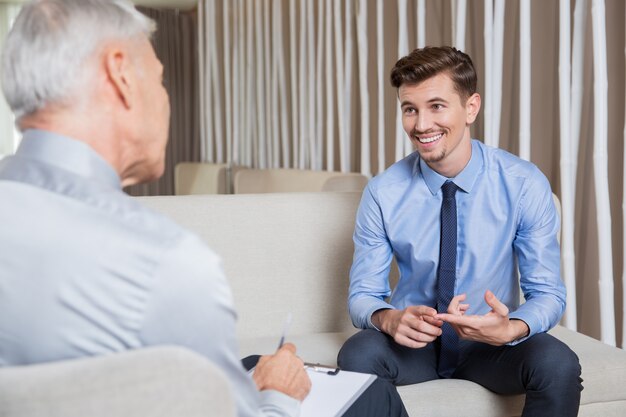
{"x":423,"y":123}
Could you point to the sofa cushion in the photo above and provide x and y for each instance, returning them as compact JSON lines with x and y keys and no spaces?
{"x":603,"y":367}
{"x":603,"y":373}
{"x":281,"y":253}
{"x":255,"y":181}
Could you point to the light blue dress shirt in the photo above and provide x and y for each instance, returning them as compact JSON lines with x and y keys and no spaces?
{"x":506,"y":219}
{"x":86,"y":270}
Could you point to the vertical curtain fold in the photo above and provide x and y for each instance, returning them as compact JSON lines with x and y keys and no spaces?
{"x":525,"y":55}
{"x":567,"y":184}
{"x":176,"y":45}
{"x":600,"y":159}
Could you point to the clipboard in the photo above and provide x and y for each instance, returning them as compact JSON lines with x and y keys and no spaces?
{"x":333,"y":391}
{"x":332,"y":394}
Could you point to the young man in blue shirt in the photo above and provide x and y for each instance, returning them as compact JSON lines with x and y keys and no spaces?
{"x":460,"y":218}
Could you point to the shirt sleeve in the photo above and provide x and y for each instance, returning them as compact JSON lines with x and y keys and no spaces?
{"x":191,"y":306}
{"x":538,"y":255}
{"x":369,"y":275}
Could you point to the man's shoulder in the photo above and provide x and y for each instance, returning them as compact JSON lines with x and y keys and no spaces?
{"x":398,"y":173}
{"x":155,"y":225}
{"x":504,"y":163}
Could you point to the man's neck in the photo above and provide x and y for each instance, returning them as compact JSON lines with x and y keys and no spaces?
{"x":77,"y":128}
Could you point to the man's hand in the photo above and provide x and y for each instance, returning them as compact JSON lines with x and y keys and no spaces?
{"x":494,"y":328}
{"x":414,"y":327}
{"x":284,"y":372}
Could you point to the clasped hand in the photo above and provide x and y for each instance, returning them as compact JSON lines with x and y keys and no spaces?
{"x":414,"y":327}
{"x":494,"y":328}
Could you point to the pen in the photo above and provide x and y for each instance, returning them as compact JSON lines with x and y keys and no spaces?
{"x":285,"y":329}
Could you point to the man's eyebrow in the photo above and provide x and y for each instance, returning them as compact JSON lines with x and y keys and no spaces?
{"x":431,"y":100}
{"x":437,"y":99}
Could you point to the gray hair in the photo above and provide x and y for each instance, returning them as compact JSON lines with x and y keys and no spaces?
{"x":51,"y":41}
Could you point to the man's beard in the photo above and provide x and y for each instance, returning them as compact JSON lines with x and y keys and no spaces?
{"x":435,"y":156}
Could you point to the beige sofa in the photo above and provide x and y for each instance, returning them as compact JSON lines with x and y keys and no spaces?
{"x":192,"y":178}
{"x":255,"y":181}
{"x":292,"y":253}
{"x":201,"y":178}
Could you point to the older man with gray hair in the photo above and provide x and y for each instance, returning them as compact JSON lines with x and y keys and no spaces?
{"x":84,"y":269}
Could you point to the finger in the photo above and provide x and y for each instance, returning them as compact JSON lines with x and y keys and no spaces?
{"x":496,"y":304}
{"x":415,"y":339}
{"x":453,"y":307}
{"x":408,"y":342}
{"x":288,"y":347}
{"x":456,"y":319}
{"x":463,"y":307}
{"x":262,"y":360}
{"x":421,"y":310}
{"x":419,"y":330}
{"x":428,"y":329}
{"x":434,"y":321}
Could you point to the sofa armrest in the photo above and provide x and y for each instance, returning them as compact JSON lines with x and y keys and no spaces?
{"x":160,"y":381}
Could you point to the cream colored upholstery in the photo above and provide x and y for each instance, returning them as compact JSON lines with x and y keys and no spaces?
{"x":256,"y":181}
{"x":157,"y":382}
{"x":201,"y":178}
{"x":292,"y":253}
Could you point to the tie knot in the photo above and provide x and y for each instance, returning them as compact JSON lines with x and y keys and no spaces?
{"x":448,"y":189}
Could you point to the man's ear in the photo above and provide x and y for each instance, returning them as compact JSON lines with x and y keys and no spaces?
{"x":472,"y":107}
{"x":119,"y":70}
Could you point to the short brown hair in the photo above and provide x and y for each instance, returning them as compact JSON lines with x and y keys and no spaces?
{"x":424,"y":63}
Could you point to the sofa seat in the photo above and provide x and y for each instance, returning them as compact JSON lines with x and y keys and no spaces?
{"x":604,"y":370}
{"x":291,"y":253}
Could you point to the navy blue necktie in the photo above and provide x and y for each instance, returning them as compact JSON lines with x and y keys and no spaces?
{"x":446,"y":275}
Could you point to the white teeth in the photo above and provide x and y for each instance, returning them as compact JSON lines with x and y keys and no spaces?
{"x":430,"y":139}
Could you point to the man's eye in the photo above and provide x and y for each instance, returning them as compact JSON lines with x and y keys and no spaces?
{"x":409,"y":110}
{"x":437,"y":106}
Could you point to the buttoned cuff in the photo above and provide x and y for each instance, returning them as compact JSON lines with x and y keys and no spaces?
{"x":378,"y":307}
{"x":532,"y":323}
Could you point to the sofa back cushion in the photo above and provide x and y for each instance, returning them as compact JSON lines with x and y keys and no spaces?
{"x":200,"y":178}
{"x":281,"y":253}
{"x":256,"y":181}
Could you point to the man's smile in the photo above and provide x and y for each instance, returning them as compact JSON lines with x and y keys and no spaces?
{"x":428,"y":138}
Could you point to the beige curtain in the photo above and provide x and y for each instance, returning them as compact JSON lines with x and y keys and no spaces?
{"x":175,"y":43}
{"x":295,"y":114}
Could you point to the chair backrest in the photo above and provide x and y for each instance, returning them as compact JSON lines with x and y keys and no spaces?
{"x":257,"y":181}
{"x":201,"y":178}
{"x":156,"y":382}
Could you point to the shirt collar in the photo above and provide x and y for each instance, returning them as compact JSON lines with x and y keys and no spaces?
{"x":466,"y":178}
{"x":67,"y":154}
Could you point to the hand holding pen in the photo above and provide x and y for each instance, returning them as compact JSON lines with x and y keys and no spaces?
{"x":316,"y":367}
{"x":283,"y":371}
